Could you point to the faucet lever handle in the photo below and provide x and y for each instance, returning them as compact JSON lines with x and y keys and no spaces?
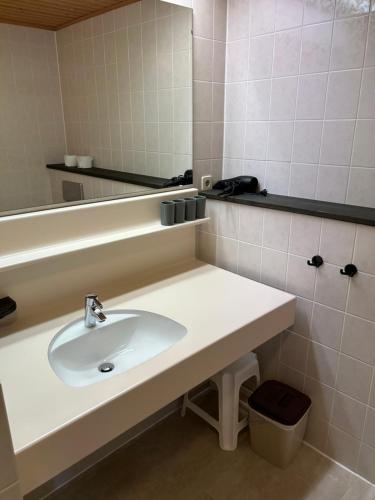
{"x":92,"y":298}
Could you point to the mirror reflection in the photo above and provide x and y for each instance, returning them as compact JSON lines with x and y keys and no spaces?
{"x":114,"y":92}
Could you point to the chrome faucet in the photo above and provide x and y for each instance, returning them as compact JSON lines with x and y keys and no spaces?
{"x":93,"y":310}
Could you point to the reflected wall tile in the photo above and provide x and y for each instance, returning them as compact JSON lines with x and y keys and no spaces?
{"x":367,"y":100}
{"x":343,"y":94}
{"x":287,"y":53}
{"x":337,"y":142}
{"x":361,"y":187}
{"x":238,"y":19}
{"x":311,"y":96}
{"x":289,"y":14}
{"x":261,"y":56}
{"x":346,"y":8}
{"x":364,"y":147}
{"x":262,"y":16}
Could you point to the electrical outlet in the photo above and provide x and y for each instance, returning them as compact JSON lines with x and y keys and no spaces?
{"x":206,"y":182}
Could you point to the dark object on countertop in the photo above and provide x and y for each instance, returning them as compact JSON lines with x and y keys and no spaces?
{"x":349,"y":270}
{"x":316,"y":261}
{"x":181,"y":180}
{"x":7,"y":306}
{"x":279,"y":402}
{"x":237,"y":185}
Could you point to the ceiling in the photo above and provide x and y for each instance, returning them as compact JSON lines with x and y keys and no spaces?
{"x":54,"y":14}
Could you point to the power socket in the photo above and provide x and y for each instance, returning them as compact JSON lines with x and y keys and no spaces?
{"x":206,"y":182}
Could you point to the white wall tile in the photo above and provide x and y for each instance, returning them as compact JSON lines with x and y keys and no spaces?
{"x":343,"y":94}
{"x":238,"y":19}
{"x":291,"y":377}
{"x":280,"y":141}
{"x":349,"y":42}
{"x":321,"y":398}
{"x":261,"y":56}
{"x":322,"y":364}
{"x":258,"y":99}
{"x":235,"y":97}
{"x":331,"y":287}
{"x":237,"y":61}
{"x":227,"y":254}
{"x":249,"y":261}
{"x":364,"y":147}
{"x":332,"y":183}
{"x":316,"y":11}
{"x":361,"y":187}
{"x":342,"y":447}
{"x":11,"y":493}
{"x":337,"y":142}
{"x":348,"y":415}
{"x":234,"y":139}
{"x":327,"y":325}
{"x":307,"y":151}
{"x":289,"y":14}
{"x":367,"y":100}
{"x":362,"y":296}
{"x":337,"y":242}
{"x":311,"y":96}
{"x":300,"y":277}
{"x":287,"y":53}
{"x":363,"y":254}
{"x":228,"y":220}
{"x":303,"y":317}
{"x":276,"y":230}
{"x":203,"y":15}
{"x":277,"y":177}
{"x":359,"y":339}
{"x":370,"y":50}
{"x":304,"y":235}
{"x":283,"y":98}
{"x":293,"y":351}
{"x":262,"y":16}
{"x":354,"y":378}
{"x":303,"y":179}
{"x":369,"y":432}
{"x":316,"y":47}
{"x":273,"y":270}
{"x":250,"y":225}
{"x":256,"y":140}
{"x":366,"y":463}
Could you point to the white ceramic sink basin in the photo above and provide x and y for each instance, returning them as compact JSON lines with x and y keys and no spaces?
{"x":127,"y":338}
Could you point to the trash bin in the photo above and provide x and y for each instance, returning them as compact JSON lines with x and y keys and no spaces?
{"x":278,"y":419}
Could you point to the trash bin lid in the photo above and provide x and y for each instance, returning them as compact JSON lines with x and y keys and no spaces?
{"x":280,"y":402}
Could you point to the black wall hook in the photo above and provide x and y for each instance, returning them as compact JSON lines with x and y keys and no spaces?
{"x":349,"y":270}
{"x":316,"y":261}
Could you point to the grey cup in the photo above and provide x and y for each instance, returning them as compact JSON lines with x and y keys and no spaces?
{"x":191,"y":209}
{"x":167,"y":211}
{"x":179,"y":214}
{"x":201,"y":206}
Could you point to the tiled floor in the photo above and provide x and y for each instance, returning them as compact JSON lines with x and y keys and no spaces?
{"x":180,"y":459}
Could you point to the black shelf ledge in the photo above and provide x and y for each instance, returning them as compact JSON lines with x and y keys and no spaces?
{"x":325,"y":209}
{"x":114,"y":175}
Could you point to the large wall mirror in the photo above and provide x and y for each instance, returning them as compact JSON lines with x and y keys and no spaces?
{"x":116,"y":86}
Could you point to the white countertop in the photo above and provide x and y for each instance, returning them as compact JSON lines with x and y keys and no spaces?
{"x":210,"y":302}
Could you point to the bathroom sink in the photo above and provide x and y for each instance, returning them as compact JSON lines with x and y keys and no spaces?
{"x":82,"y":356}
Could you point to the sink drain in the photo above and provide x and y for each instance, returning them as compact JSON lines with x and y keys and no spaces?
{"x":106,"y":367}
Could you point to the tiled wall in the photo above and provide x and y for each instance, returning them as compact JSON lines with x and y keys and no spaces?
{"x":126,"y":86}
{"x":209,"y":22}
{"x":330,"y":351}
{"x":9,"y":487}
{"x":31,"y":121}
{"x":93,"y":187}
{"x":300,"y":97}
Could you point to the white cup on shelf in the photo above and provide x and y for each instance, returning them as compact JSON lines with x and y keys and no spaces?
{"x":84,"y":161}
{"x":70,"y":160}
